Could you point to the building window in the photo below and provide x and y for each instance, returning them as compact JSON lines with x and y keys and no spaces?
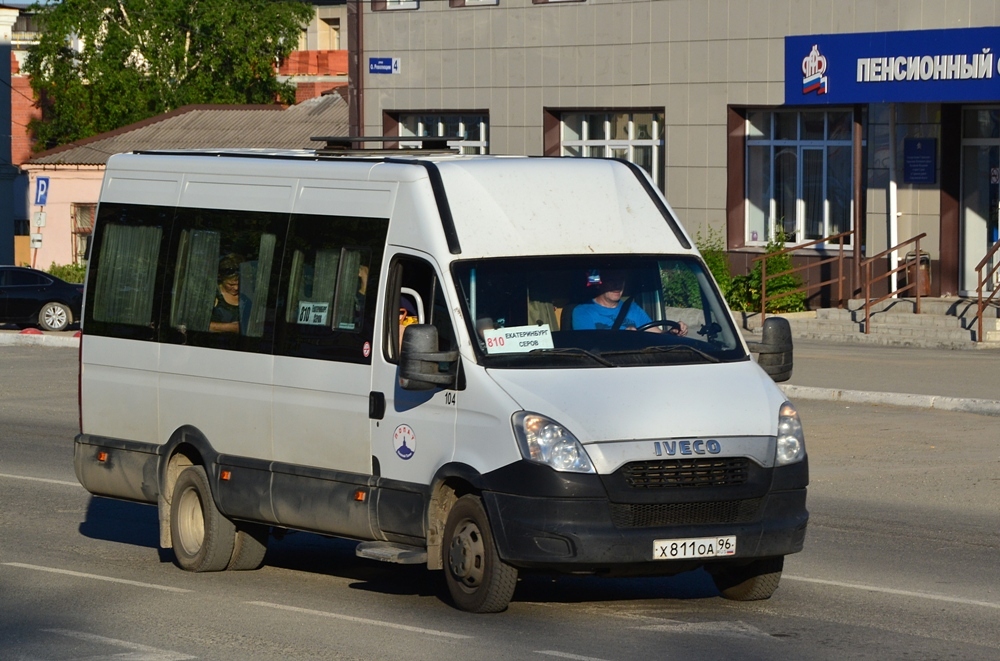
{"x":472,"y":3}
{"x":389,"y":5}
{"x":636,"y":137}
{"x":83,"y":230}
{"x":472,"y":129}
{"x":799,"y":179}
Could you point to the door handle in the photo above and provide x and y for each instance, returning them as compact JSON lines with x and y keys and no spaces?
{"x":376,"y":405}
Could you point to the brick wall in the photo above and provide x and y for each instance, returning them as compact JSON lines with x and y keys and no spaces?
{"x":22,"y":110}
{"x":315,"y":62}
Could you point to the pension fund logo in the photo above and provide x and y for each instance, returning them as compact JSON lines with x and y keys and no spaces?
{"x":813,"y":70}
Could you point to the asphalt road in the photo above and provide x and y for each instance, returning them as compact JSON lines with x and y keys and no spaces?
{"x":902,"y":561}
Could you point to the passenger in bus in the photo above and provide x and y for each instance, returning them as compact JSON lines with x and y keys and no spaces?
{"x":226,"y":312}
{"x":359,"y":297}
{"x":605,"y":311}
{"x":407,"y":315}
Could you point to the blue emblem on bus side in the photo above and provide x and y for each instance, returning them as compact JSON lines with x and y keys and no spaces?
{"x":405,"y":442}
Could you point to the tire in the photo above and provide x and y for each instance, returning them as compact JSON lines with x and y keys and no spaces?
{"x":203,"y":539}
{"x":478,"y":580}
{"x":249,"y":547}
{"x":752,"y":582}
{"x":54,"y":317}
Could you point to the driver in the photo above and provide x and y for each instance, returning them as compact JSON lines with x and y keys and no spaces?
{"x":605,"y":312}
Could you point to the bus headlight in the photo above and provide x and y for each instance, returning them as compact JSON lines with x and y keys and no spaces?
{"x":791,"y":442}
{"x":545,"y":441}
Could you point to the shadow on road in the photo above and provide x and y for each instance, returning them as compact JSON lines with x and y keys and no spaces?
{"x":136,"y":524}
{"x":121,"y":521}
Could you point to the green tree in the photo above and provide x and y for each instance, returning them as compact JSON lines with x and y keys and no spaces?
{"x":138,"y":58}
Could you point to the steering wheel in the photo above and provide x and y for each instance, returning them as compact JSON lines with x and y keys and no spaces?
{"x":671,"y":326}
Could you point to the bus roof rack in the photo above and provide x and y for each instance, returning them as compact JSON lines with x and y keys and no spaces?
{"x":354,"y":145}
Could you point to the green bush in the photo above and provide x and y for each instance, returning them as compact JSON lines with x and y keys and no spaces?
{"x":713,"y":249}
{"x":745,"y":292}
{"x":69,"y":272}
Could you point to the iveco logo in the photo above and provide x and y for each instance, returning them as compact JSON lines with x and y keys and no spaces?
{"x":672,"y":448}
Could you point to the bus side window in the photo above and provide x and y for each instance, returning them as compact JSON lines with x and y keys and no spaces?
{"x":224,"y":278}
{"x":329,"y":279}
{"x":420,"y":277}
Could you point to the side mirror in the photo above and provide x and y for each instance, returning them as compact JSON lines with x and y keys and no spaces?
{"x":774,"y":351}
{"x":420,"y":360}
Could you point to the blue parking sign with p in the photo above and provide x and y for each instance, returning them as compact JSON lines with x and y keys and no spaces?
{"x":41,"y":190}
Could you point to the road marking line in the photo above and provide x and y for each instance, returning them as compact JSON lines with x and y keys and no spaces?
{"x":53,"y":570}
{"x":902,"y":593}
{"x":360,"y":620}
{"x":564,"y":655}
{"x":40,"y":479}
{"x":145,"y":653}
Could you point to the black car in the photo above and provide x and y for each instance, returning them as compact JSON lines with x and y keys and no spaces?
{"x":31,"y":297}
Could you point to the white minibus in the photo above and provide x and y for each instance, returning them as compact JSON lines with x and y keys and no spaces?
{"x":486,"y":365}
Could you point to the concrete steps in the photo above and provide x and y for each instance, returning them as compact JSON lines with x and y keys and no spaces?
{"x":946,"y":323}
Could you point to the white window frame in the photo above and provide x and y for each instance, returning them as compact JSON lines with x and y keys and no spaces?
{"x":479,"y":145}
{"x":394,"y":5}
{"x":587,"y":144}
{"x":800,"y":146}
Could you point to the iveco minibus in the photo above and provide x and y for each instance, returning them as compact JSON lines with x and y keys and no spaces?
{"x":486,"y":365}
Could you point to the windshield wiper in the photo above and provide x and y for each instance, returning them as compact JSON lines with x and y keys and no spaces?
{"x":668,"y":349}
{"x":574,"y":351}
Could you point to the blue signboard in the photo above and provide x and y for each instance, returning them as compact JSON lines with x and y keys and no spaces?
{"x":383,"y":65}
{"x":919,"y":161}
{"x":41,"y":191}
{"x":922,"y":66}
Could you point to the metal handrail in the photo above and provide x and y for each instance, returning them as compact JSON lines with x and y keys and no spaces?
{"x":979,"y":288}
{"x":866,"y":266}
{"x":839,"y":258}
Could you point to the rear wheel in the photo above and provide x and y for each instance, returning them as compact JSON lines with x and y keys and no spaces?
{"x":203,"y":539}
{"x":249,"y":547}
{"x":755,"y":581}
{"x":54,"y":317}
{"x":478,"y":580}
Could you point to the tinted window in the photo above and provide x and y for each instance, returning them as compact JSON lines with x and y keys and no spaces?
{"x":223,"y":284}
{"x":20,"y":278}
{"x":328,"y":287}
{"x":129,"y":253}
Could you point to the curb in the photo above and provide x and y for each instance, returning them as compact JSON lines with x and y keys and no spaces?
{"x":964,"y":405}
{"x":17,"y":339}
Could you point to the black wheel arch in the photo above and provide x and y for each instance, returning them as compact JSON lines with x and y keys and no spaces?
{"x":187,"y":446}
{"x":451,"y":482}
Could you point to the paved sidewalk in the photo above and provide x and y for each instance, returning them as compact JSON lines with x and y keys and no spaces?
{"x":898,"y":376}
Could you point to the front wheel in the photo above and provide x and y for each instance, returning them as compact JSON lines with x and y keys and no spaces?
{"x":753,"y":582}
{"x":54,"y":317}
{"x":202,"y":537}
{"x":478,"y":580}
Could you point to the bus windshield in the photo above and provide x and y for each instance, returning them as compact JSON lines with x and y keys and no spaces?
{"x":595,"y":311}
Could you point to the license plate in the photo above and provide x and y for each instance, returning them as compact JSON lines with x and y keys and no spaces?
{"x":702,"y":547}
